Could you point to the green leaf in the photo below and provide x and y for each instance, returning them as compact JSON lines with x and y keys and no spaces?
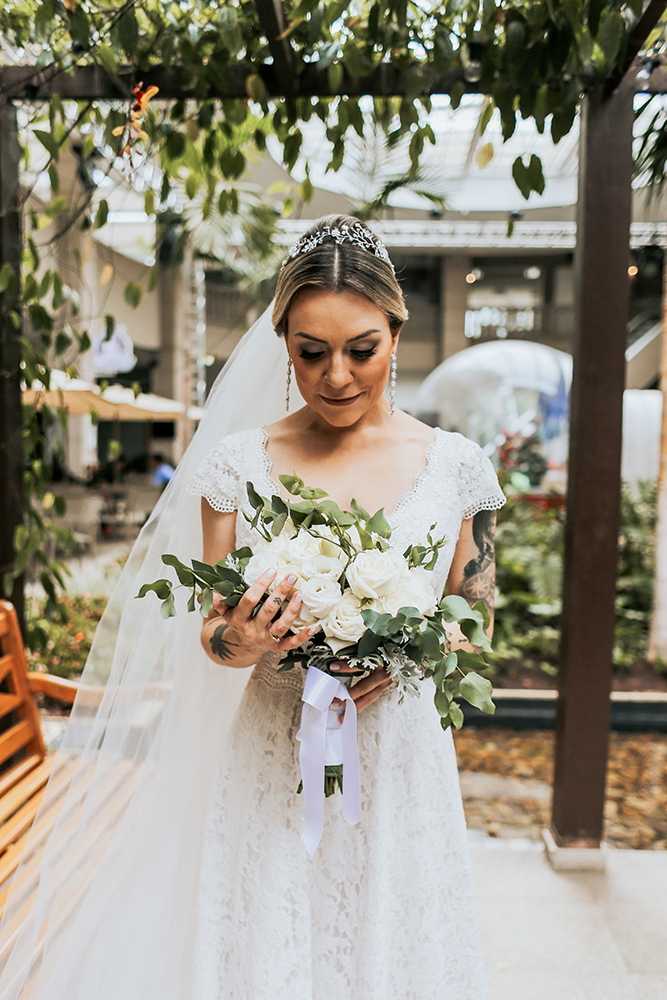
{"x":160,"y":587}
{"x":7,"y":280}
{"x":443,"y":702}
{"x":255,"y":499}
{"x":114,"y":450}
{"x":454,"y":608}
{"x":521,"y":178}
{"x":470,"y":661}
{"x":610,"y":35}
{"x":192,"y":601}
{"x":535,"y":174}
{"x":335,"y":76}
{"x":481,"y":607}
{"x":168,"y":608}
{"x":456,"y":715}
{"x":206,"y":602}
{"x":128,"y":33}
{"x":478,"y":690}
{"x":107,"y":58}
{"x":133,"y":293}
{"x":378,"y":524}
{"x":184,"y":573}
{"x":102,"y":214}
{"x":278,"y":524}
{"x":79,"y":27}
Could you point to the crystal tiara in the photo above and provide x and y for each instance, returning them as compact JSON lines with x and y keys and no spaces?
{"x":356,"y":233}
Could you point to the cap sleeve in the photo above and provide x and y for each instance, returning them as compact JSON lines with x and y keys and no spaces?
{"x":479,"y":488}
{"x":218,"y":479}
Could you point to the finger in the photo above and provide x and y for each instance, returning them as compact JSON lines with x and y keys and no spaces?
{"x":293,"y":641}
{"x":273,"y":604}
{"x":369,"y":698}
{"x":378,"y":677}
{"x":342,"y":667}
{"x":281,"y":626}
{"x":253,"y":594}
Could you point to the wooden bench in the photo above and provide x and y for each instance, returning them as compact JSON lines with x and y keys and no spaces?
{"x":25,"y":765}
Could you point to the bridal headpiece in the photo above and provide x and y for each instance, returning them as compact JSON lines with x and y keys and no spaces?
{"x":355,"y":233}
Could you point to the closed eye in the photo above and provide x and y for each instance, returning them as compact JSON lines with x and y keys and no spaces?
{"x":363,"y":355}
{"x":310,"y":355}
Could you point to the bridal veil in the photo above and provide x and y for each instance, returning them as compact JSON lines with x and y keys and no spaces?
{"x":114,"y":912}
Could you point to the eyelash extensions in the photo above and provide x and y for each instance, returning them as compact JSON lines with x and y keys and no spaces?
{"x":358,"y":355}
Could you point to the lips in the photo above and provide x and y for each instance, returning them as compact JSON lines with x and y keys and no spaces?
{"x":345,"y":401}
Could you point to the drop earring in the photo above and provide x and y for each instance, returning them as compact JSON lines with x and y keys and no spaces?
{"x":289,"y":379}
{"x":392,"y":385}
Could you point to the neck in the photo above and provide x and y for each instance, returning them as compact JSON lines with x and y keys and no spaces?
{"x":376,"y":418}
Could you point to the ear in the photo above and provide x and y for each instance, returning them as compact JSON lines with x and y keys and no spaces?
{"x":395,"y":334}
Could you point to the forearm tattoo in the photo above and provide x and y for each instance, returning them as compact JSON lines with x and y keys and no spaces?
{"x":479,"y":575}
{"x":222,"y":647}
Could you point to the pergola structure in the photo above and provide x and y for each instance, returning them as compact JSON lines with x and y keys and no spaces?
{"x":601,"y":310}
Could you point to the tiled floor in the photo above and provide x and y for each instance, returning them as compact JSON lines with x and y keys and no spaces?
{"x":572,"y":936}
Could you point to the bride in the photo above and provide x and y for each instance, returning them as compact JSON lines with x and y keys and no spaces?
{"x":188,"y":879}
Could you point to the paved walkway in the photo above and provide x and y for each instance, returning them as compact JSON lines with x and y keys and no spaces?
{"x":571,"y":936}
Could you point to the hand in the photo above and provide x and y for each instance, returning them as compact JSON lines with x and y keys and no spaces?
{"x":263,"y":630}
{"x":365,"y":691}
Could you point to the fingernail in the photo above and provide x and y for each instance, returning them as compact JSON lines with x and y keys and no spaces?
{"x":298,"y":598}
{"x":312,"y":630}
{"x":291,"y":579}
{"x":335,"y":666}
{"x":271,"y":573}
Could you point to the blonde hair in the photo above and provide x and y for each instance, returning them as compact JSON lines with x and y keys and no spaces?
{"x":336,"y":266}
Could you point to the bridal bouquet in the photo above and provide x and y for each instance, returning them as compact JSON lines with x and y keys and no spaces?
{"x":374,"y":606}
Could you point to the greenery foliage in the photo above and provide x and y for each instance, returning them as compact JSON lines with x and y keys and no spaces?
{"x":529,"y":554}
{"x":532,"y":58}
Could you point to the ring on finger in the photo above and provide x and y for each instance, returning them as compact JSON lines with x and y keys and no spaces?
{"x":276,"y":638}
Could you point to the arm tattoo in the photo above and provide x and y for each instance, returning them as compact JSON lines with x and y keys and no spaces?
{"x":479,"y":576}
{"x":220,"y":647}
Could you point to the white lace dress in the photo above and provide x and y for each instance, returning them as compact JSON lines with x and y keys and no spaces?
{"x":385,"y":910}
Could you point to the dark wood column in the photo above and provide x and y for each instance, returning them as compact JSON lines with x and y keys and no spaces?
{"x":11,"y":427}
{"x":593,"y":498}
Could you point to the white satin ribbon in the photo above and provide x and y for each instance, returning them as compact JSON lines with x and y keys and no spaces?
{"x":318,"y":748}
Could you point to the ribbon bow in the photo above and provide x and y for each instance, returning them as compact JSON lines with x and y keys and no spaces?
{"x":322,"y":745}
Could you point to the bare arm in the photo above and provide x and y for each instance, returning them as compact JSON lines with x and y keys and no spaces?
{"x":237,"y":637}
{"x":473,"y":570}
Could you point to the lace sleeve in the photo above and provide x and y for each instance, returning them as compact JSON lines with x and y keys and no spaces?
{"x":479,"y":488}
{"x":217,"y":480}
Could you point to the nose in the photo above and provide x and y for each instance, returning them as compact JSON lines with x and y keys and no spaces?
{"x":338,"y":374}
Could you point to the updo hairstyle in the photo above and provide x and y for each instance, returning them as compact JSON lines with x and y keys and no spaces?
{"x":335,"y":266}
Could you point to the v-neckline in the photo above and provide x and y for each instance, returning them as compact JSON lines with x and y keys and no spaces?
{"x":402,"y":500}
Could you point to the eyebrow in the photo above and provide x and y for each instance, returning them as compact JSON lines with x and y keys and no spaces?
{"x":319,"y":340}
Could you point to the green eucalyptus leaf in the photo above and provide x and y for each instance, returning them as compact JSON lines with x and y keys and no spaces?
{"x":160,"y":587}
{"x":478,"y":690}
{"x":443,"y":702}
{"x":456,"y":715}
{"x":192,"y":602}
{"x":206,"y":602}
{"x":184,"y":573}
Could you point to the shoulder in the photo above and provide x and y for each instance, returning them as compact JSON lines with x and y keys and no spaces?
{"x":472,"y":471}
{"x":222,"y":474}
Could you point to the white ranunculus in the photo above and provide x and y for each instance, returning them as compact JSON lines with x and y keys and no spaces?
{"x":414,"y":590}
{"x":323,"y":566}
{"x":344,"y":624}
{"x":374,"y":574}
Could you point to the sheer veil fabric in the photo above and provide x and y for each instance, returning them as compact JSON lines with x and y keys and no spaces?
{"x":114,"y":912}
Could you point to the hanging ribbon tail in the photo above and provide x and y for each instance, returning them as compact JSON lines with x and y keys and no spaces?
{"x":319,"y":691}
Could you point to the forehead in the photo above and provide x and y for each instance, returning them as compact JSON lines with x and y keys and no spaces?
{"x":327,"y":314}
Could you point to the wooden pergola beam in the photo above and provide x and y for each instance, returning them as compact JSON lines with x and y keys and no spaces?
{"x":643,"y":28}
{"x":24,"y":83}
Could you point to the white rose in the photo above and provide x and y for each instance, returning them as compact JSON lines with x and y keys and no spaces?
{"x":302,"y":547}
{"x":324,"y":566}
{"x":320,"y":595}
{"x":344,"y":624}
{"x":374,"y":574}
{"x":413,"y":590}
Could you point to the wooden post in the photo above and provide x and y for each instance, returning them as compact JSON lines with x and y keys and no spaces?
{"x":11,"y":425}
{"x":594,"y":471}
{"x":657,"y":646}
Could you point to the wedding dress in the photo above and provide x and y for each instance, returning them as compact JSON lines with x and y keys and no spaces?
{"x":385,"y":910}
{"x":175,"y":868}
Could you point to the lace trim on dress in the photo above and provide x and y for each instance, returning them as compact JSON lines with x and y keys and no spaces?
{"x":217,"y":481}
